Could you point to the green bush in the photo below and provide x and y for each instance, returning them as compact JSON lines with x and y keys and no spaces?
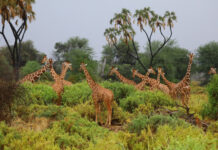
{"x":66,"y":130}
{"x":171,"y":138}
{"x":30,"y":67}
{"x":119,"y":89}
{"x":52,"y":112}
{"x":155,"y":98}
{"x":142,"y":122}
{"x":76,"y":94}
{"x":213,"y":127}
{"x":81,"y":92}
{"x":211,"y":108}
{"x":38,"y":94}
{"x":87,"y":110}
{"x":143,"y":109}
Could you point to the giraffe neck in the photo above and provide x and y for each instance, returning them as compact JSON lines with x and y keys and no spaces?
{"x":158,"y":78}
{"x":63,"y":72}
{"x":35,"y":75}
{"x":142,"y":76}
{"x":122,"y":78}
{"x":89,"y":79}
{"x":54,"y":74}
{"x":186,"y":78}
{"x":169,"y":84}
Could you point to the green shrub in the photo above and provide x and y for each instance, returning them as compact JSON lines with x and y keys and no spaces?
{"x":81,"y":92}
{"x":53,"y":112}
{"x":213,"y":127}
{"x":180,"y":138}
{"x":76,"y":94}
{"x":67,"y":130}
{"x":173,"y":138}
{"x":30,"y":67}
{"x":196,"y":88}
{"x":119,"y":89}
{"x":87,"y":110}
{"x":155,"y":98}
{"x":211,"y":108}
{"x":38,"y":94}
{"x":142,"y":122}
{"x":143,"y":109}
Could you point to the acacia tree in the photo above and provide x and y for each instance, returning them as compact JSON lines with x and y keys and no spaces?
{"x":15,"y":13}
{"x":148,"y":21}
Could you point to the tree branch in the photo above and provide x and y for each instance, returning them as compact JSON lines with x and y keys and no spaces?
{"x":162,"y":33}
{"x":22,"y":36}
{"x":164,"y":43}
{"x":137,"y":56}
{"x":149,"y":41}
{"x":3,"y":34}
{"x":13,"y":30}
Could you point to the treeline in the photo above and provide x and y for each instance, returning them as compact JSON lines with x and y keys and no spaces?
{"x":173,"y":59}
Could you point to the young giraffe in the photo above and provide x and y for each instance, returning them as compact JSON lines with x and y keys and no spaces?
{"x":99,"y":94}
{"x":32,"y":77}
{"x":181,"y":89}
{"x":141,"y":85}
{"x":212,"y":71}
{"x":122,"y":78}
{"x":58,"y":86}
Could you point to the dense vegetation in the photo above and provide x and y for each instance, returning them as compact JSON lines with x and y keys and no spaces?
{"x":140,"y":120}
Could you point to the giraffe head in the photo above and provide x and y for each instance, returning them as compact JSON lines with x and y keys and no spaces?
{"x":67,"y":65}
{"x":113,"y":70}
{"x":151,"y":70}
{"x":191,"y":56}
{"x":44,"y":59}
{"x":50,"y":62}
{"x":134,"y":72}
{"x":82,"y":66}
{"x":159,"y":69}
{"x":212,"y":71}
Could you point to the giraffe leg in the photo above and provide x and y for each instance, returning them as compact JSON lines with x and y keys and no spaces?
{"x":109,"y":109}
{"x":96,"y":112}
{"x":99,"y":113}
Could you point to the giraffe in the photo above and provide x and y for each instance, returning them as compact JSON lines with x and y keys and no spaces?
{"x":99,"y":94}
{"x":58,"y":86}
{"x":212,"y":71}
{"x":169,"y":84}
{"x":141,"y":85}
{"x":65,"y":67}
{"x":181,"y":89}
{"x":121,"y":77}
{"x":152,"y":82}
{"x":32,"y":77}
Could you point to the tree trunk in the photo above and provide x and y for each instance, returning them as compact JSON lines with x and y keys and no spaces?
{"x":151,"y":61}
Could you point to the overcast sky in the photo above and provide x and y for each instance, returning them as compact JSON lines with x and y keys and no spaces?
{"x":58,"y":20}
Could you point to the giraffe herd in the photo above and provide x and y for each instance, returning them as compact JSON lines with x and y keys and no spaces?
{"x":180,"y":90}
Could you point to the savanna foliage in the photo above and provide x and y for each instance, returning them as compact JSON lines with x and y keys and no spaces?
{"x":211,"y":108}
{"x":141,"y":120}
